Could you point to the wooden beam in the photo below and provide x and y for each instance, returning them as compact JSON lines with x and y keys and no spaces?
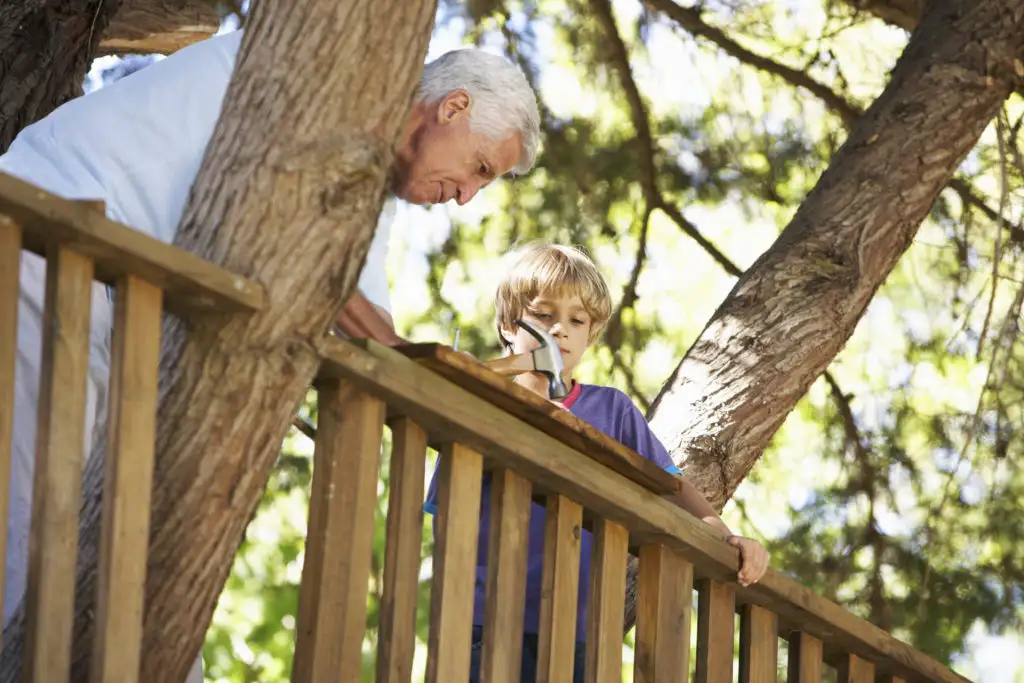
{"x":443,"y":408}
{"x":158,"y":26}
{"x":190,"y":284}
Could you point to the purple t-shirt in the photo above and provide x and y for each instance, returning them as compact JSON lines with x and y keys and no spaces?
{"x":613,"y":413}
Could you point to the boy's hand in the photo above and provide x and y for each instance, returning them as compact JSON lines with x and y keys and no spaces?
{"x":753,"y":559}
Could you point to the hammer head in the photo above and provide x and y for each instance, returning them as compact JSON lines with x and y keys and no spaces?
{"x":547,"y":359}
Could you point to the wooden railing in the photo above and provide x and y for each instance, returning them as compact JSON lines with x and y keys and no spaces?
{"x":82,"y":247}
{"x":427,"y":396}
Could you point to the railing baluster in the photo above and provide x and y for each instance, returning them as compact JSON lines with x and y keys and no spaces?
{"x":606,"y":602}
{"x":60,"y":452}
{"x":853,"y":669}
{"x":759,"y":645}
{"x":10,"y":262}
{"x":124,"y":539}
{"x":397,"y":640}
{"x":451,"y":599}
{"x":664,"y":605}
{"x":556,"y":637}
{"x":509,"y":539}
{"x":336,"y":569}
{"x":716,"y":612}
{"x":804,"y":658}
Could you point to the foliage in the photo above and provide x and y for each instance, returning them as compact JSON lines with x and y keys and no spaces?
{"x":674,"y":150}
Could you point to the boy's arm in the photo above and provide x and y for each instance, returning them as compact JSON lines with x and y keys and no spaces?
{"x":637,"y":434}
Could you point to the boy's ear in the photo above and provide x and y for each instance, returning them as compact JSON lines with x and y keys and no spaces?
{"x":507,"y":334}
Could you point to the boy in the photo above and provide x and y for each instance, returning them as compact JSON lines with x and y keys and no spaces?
{"x":560,"y":288}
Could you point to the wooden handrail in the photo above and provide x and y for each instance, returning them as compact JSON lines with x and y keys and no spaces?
{"x":449,"y":412}
{"x":190,"y":284}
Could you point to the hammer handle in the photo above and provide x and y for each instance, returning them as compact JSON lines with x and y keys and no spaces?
{"x":512,"y":365}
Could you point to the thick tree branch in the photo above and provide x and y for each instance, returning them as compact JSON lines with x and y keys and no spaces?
{"x":794,"y":309}
{"x":159,"y":26}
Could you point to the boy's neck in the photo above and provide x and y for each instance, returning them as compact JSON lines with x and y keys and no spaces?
{"x":538,"y":383}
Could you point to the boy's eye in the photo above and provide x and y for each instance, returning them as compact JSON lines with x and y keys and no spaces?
{"x":542,"y":316}
{"x":577,"y":321}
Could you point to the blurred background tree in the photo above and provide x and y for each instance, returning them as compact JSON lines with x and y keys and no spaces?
{"x":894,"y":487}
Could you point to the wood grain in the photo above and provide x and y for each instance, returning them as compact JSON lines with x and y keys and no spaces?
{"x":124,"y":540}
{"x":60,"y":450}
{"x":191,"y":284}
{"x":546,"y":416}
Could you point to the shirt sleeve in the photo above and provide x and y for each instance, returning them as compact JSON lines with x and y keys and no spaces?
{"x":637,"y":434}
{"x":373,"y":280}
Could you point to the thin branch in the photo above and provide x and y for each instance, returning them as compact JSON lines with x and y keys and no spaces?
{"x":613,"y":330}
{"x":997,"y":256}
{"x":641,"y":124}
{"x":1010,"y":322}
{"x":690,"y":20}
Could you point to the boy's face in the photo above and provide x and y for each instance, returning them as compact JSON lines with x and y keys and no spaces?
{"x":565,"y":318}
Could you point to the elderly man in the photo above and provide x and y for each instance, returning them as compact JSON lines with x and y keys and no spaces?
{"x":138,"y":145}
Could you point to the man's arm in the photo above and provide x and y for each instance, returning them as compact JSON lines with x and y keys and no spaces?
{"x":361,"y":319}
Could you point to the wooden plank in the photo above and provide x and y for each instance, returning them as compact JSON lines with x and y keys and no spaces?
{"x":451,"y":600}
{"x":606,"y":602}
{"x":339,"y":540}
{"x":191,"y":284}
{"x":759,"y":645}
{"x":716,"y":612}
{"x":663,"y":608}
{"x":397,"y":632}
{"x":560,"y":580}
{"x":10,"y":258}
{"x":124,"y":539}
{"x":509,"y":544}
{"x":550,"y":418}
{"x":804,"y":658}
{"x":60,"y":452}
{"x":853,"y":669}
{"x":446,"y":409}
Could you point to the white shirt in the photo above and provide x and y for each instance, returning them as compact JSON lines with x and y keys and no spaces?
{"x":138,"y":143}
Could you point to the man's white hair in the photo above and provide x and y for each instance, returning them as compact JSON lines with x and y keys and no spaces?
{"x":503,"y":100}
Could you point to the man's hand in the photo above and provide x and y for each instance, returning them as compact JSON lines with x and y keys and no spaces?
{"x":362,"y":320}
{"x":753,"y":559}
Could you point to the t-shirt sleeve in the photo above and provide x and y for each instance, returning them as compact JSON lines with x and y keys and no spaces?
{"x":430,"y":503}
{"x":637,"y":434}
{"x":373,"y":280}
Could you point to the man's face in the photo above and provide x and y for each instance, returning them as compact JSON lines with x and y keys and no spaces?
{"x":442,"y":159}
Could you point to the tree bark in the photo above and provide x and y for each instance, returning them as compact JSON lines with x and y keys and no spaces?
{"x":159,"y":26}
{"x":793,"y":310}
{"x":288,"y":194}
{"x":903,"y":13}
{"x":45,"y":51}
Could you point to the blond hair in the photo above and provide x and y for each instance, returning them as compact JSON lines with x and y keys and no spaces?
{"x":539,"y":269}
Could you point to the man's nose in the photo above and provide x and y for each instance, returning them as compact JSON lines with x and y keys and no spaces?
{"x":466,"y":192}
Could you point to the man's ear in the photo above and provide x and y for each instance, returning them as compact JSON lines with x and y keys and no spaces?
{"x":455,"y":104}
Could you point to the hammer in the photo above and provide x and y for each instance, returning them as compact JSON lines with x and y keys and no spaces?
{"x":545,"y":359}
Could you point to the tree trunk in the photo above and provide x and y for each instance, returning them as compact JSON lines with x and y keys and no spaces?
{"x":45,"y":51}
{"x":159,"y":26}
{"x":793,"y":310}
{"x":288,"y":193}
